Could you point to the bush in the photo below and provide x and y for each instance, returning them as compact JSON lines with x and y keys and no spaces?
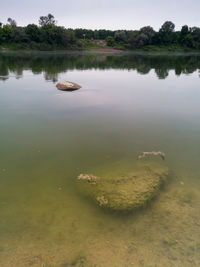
{"x":110,"y":41}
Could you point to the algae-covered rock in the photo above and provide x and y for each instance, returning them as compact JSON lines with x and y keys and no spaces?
{"x":124,"y":187}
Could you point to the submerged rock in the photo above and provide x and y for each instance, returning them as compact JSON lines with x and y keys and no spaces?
{"x":68,"y":86}
{"x":123,"y":189}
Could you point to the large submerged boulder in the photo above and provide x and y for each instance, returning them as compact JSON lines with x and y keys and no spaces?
{"x":70,"y":86}
{"x":124,"y":187}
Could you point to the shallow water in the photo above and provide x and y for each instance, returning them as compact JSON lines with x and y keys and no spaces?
{"x":128,"y":103}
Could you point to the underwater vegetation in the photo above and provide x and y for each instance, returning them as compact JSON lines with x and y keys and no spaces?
{"x":125,"y":189}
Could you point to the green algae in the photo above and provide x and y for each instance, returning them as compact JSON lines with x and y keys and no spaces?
{"x":125,"y":187}
{"x":170,"y":241}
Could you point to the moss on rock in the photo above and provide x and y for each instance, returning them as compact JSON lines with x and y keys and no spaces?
{"x":125,"y":187}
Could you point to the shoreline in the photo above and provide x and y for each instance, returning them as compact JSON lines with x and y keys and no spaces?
{"x":103,"y":51}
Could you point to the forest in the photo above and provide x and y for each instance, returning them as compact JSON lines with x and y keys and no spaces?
{"x":48,"y":36}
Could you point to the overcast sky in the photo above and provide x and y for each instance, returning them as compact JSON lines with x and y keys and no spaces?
{"x":104,"y":14}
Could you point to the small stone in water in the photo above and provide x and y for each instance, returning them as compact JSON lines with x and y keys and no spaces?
{"x":67,"y":86}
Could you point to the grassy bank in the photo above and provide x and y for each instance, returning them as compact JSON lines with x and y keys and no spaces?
{"x":87,"y":45}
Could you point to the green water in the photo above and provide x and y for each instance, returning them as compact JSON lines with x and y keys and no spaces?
{"x":128,"y":103}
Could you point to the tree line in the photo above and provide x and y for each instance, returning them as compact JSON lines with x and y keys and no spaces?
{"x":48,"y":35}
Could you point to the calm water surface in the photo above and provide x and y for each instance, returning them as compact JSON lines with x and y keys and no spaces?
{"x":127,"y":104}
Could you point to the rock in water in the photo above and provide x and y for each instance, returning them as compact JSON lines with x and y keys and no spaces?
{"x":68,"y":86}
{"x":124,"y":188}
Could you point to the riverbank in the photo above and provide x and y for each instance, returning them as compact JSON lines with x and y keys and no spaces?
{"x":96,"y":48}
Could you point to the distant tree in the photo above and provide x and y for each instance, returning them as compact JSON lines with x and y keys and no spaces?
{"x":110,"y":41}
{"x":184,"y":30}
{"x":132,"y":39}
{"x":183,"y":33}
{"x":19,"y":35}
{"x":189,"y":40}
{"x":89,"y":34}
{"x":149,"y":33}
{"x":72,"y":36}
{"x":142,"y":39}
{"x":33,"y":32}
{"x":6,"y":32}
{"x":110,"y":33}
{"x":79,"y":33}
{"x":157,"y":39}
{"x":47,"y":20}
{"x":96,"y":35}
{"x":59,"y":36}
{"x":137,"y":39}
{"x":56,"y":35}
{"x":1,"y":24}
{"x":120,"y":36}
{"x":102,"y":34}
{"x":12,"y":22}
{"x":167,"y":27}
{"x":195,"y":33}
{"x":166,"y":33}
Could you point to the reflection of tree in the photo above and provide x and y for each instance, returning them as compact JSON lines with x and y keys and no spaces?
{"x":3,"y":68}
{"x":3,"y":78}
{"x":51,"y":64}
{"x":162,"y":73}
{"x":51,"y":77}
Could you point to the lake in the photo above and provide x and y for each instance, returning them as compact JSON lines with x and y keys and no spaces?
{"x":128,"y":103}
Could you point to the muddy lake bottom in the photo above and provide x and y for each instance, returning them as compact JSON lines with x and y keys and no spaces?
{"x":127,"y":104}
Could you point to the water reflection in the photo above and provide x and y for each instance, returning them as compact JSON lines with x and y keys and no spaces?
{"x":51,"y":64}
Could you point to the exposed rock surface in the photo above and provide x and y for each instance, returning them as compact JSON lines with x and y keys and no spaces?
{"x":68,"y":86}
{"x":122,"y":189}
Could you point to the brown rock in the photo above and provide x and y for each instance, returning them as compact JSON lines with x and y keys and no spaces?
{"x":68,"y":86}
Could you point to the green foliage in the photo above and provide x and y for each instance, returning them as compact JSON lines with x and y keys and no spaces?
{"x":149,"y":33}
{"x":12,"y":22}
{"x":184,"y":30}
{"x":120,"y":36}
{"x":48,"y":36}
{"x":5,"y":33}
{"x":47,"y":20}
{"x":141,"y":38}
{"x":167,"y":27}
{"x":33,"y":32}
{"x":110,"y":41}
{"x":57,"y":35}
{"x":166,"y":33}
{"x":170,"y":241}
{"x":19,"y":35}
{"x":188,"y":40}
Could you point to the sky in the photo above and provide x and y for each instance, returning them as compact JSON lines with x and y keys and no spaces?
{"x":104,"y":14}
